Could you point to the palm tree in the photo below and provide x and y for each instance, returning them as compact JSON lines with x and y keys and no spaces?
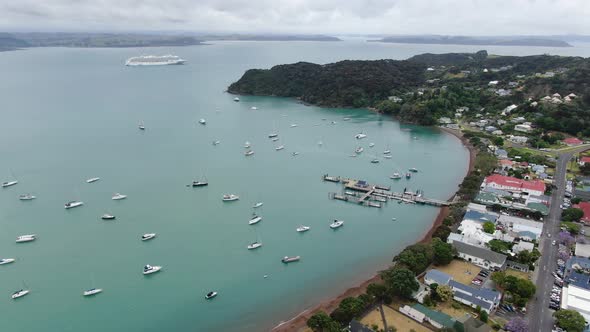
{"x":379,"y":293}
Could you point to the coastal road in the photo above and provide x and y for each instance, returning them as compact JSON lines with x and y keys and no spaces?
{"x":540,"y":316}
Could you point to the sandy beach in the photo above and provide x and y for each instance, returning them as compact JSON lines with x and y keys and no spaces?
{"x":298,"y":323}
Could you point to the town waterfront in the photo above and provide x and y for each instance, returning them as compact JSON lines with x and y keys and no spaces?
{"x":72,"y":114}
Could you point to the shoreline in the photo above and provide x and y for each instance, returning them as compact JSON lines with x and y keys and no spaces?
{"x":299,"y":322}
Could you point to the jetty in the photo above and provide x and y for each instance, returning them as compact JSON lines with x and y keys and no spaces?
{"x":373,"y":195}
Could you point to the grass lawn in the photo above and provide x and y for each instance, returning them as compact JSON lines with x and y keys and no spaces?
{"x":394,"y":318}
{"x":461,"y":271}
{"x":448,"y":309}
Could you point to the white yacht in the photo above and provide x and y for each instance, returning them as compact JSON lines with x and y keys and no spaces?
{"x":291,"y":259}
{"x":92,"y":180}
{"x":6,"y":260}
{"x":395,"y":176}
{"x":387,"y":156}
{"x":387,"y":152}
{"x":202,"y":121}
{"x":254,"y":245}
{"x":359,"y":150}
{"x":280,"y":147}
{"x":254,"y":220}
{"x":73,"y":204}
{"x":9,"y":183}
{"x":118,"y":196}
{"x":302,"y":229}
{"x":107,"y":216}
{"x":413,"y":169}
{"x":247,"y":145}
{"x":148,"y":269}
{"x":19,"y":293}
{"x":141,"y":126}
{"x":274,"y":139}
{"x":295,"y":153}
{"x":249,"y":152}
{"x":26,"y":197}
{"x":336,"y":224}
{"x":273,"y":135}
{"x":230,"y":197}
{"x":293,"y":125}
{"x":360,"y":136}
{"x":346,"y":119}
{"x":257,"y":205}
{"x":92,"y":291}
{"x":210,"y":295}
{"x":236,"y":99}
{"x":26,"y":238}
{"x":154,"y":60}
{"x":148,"y":236}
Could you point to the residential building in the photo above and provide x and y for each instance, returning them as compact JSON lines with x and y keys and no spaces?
{"x":493,"y":83}
{"x":518,"y":139}
{"x":525,"y":229}
{"x":521,"y":246}
{"x":582,"y":250}
{"x":444,"y":120}
{"x":501,"y":153}
{"x":584,"y":206}
{"x":496,"y":181}
{"x":436,"y":277}
{"x":572,"y":141}
{"x":486,"y":299}
{"x":583,"y":161}
{"x":435,"y":318}
{"x":506,"y":164}
{"x":509,"y":109}
{"x":480,"y":256}
{"x":356,"y":326}
{"x":523,"y":128}
{"x":412,"y":313}
{"x":576,"y":295}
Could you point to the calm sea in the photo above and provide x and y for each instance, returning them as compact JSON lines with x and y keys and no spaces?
{"x":71,"y":114}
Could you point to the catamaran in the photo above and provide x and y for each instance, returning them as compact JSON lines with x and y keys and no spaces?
{"x":148,"y":269}
{"x":117,"y":197}
{"x":255,"y":219}
{"x":336,"y":224}
{"x":230,"y":197}
{"x":6,"y":260}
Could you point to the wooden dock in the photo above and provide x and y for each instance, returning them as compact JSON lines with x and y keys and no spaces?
{"x":363,"y":193}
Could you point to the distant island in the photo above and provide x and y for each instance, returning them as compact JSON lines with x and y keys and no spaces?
{"x":466,"y":40}
{"x":247,"y":37}
{"x":12,"y":41}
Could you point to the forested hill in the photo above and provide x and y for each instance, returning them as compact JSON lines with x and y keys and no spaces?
{"x":344,"y":83}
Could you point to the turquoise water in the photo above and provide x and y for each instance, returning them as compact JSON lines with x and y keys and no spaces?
{"x":72,"y":114}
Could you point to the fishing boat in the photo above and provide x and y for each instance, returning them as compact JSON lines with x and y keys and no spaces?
{"x":249,"y":152}
{"x":9,"y":183}
{"x":236,"y":99}
{"x":92,"y":291}
{"x":254,"y":245}
{"x":291,"y":259}
{"x":107,"y":216}
{"x":257,"y":205}
{"x":395,"y":176}
{"x":210,"y":295}
{"x":117,"y":197}
{"x":148,"y":269}
{"x":375,"y":161}
{"x":302,"y":229}
{"x":91,"y":180}
{"x":148,"y":236}
{"x":73,"y":204}
{"x":280,"y":147}
{"x":19,"y":293}
{"x":26,"y":197}
{"x":203,"y":121}
{"x":359,"y":150}
{"x":230,"y":197}
{"x":247,"y":145}
{"x":26,"y":238}
{"x":255,"y":219}
{"x":6,"y":260}
{"x":360,"y":136}
{"x":336,"y":223}
{"x":413,"y":169}
{"x":216,"y":142}
{"x":408,"y":175}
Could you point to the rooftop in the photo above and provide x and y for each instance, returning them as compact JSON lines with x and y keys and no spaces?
{"x":479,"y":216}
{"x":584,"y":206}
{"x":438,"y":277}
{"x":572,"y":140}
{"x":437,"y":316}
{"x":579,"y":280}
{"x":482,"y":253}
{"x":512,"y":182}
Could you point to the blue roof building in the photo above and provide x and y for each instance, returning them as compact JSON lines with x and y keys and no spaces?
{"x":437,"y":277}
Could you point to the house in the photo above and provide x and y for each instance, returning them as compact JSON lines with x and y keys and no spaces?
{"x":436,"y":277}
{"x":444,"y":120}
{"x":584,"y":206}
{"x":497,"y":132}
{"x":572,"y":141}
{"x":523,"y":128}
{"x":509,"y":109}
{"x":497,"y":181}
{"x":526,"y":229}
{"x":435,"y":318}
{"x":518,"y":139}
{"x":490,"y":129}
{"x":517,"y":266}
{"x":493,"y":83}
{"x":506,"y":164}
{"x":480,"y":256}
{"x":503,"y":92}
{"x":583,"y":161}
{"x":486,"y":299}
{"x":412,"y":313}
{"x":501,"y":153}
{"x":576,"y":295}
{"x":521,"y":246}
{"x":519,"y":119}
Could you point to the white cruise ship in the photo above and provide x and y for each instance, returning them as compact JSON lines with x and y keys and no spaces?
{"x":155,"y":60}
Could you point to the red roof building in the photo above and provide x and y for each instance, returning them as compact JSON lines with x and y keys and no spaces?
{"x":584,"y":160}
{"x":572,"y":141}
{"x":508,"y":183}
{"x":584,"y":206}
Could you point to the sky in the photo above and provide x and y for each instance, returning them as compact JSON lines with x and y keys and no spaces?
{"x":450,"y":17}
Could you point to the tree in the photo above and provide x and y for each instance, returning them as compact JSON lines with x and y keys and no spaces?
{"x":350,"y":307}
{"x":571,"y":227}
{"x":499,"y":246}
{"x":401,"y":281}
{"x":442,"y":232}
{"x":528,"y":257}
{"x":321,"y":322}
{"x":498,"y":278}
{"x":483,"y":316}
{"x":570,"y":320}
{"x":489,"y":227}
{"x":416,"y":257}
{"x":572,"y":214}
{"x":379,"y":293}
{"x":443,"y":252}
{"x":444,"y":292}
{"x":517,"y":324}
{"x":566,"y":238}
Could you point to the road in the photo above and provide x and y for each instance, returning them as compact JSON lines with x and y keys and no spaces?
{"x":540,"y":316}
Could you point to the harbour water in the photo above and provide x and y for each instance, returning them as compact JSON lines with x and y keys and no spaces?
{"x":72,"y":114}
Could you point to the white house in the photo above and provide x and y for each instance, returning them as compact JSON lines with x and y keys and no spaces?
{"x":479,"y":256}
{"x":412,"y":313}
{"x":523,"y":128}
{"x":486,"y":299}
{"x":518,"y":139}
{"x":493,"y":83}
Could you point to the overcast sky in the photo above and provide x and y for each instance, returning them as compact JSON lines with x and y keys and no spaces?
{"x":464,"y":17}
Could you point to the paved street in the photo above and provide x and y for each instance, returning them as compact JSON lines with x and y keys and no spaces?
{"x":540,"y":316}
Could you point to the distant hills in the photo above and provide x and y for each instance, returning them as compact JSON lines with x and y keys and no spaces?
{"x":261,"y":37}
{"x":466,"y":40}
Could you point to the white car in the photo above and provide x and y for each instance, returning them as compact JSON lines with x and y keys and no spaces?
{"x":553,"y":242}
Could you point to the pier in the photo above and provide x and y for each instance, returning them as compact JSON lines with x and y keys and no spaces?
{"x":363,"y":193}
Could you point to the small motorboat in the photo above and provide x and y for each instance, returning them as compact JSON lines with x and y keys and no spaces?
{"x":280,"y":147}
{"x":257,"y":205}
{"x":395,"y":176}
{"x":387,"y":156}
{"x":210,"y":295}
{"x":92,"y":180}
{"x":249,"y":153}
{"x":107,"y":216}
{"x":295,"y":153}
{"x":148,"y":269}
{"x":360,"y":136}
{"x":408,"y":175}
{"x":273,"y":135}
{"x":375,"y":161}
{"x":200,"y":183}
{"x":6,"y":260}
{"x":73,"y":204}
{"x":19,"y":293}
{"x":236,"y":99}
{"x":203,"y":121}
{"x":141,"y":126}
{"x":346,"y":119}
{"x":117,"y":197}
{"x":274,"y":139}
{"x":216,"y":143}
{"x":413,"y":169}
{"x":302,"y":229}
{"x":254,"y":245}
{"x":92,"y":291}
{"x":148,"y":236}
{"x":247,"y":145}
{"x":26,"y":238}
{"x":26,"y":197}
{"x":254,"y":108}
{"x":230,"y":197}
{"x":291,"y":259}
{"x":371,"y":145}
{"x":9,"y":183}
{"x":293,"y":125}
{"x":336,"y":223}
{"x":359,"y":150}
{"x":387,"y":152}
{"x":254,"y":220}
